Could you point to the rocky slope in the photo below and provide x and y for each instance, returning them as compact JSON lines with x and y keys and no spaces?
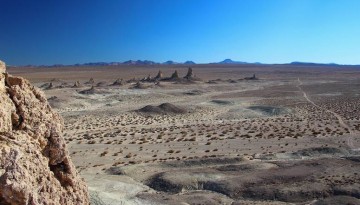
{"x":35,"y":167}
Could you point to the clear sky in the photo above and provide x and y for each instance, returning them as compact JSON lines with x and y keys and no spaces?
{"x":269,"y":31}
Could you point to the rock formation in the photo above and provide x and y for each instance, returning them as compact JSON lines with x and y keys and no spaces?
{"x":147,"y":79}
{"x":64,"y":85}
{"x":118,"y":82}
{"x":50,"y":86}
{"x":35,"y":167}
{"x":45,"y":85}
{"x":133,"y":80}
{"x":159,"y":75}
{"x":251,"y":78}
{"x":101,"y":84}
{"x":90,"y":82}
{"x":189,"y":74}
{"x":76,"y":84}
{"x":175,"y":75}
{"x":90,"y":91}
{"x":140,"y":85}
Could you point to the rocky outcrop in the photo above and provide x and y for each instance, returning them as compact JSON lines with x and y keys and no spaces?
{"x":189,"y":74}
{"x":2,"y":67}
{"x":147,"y":79}
{"x":251,"y":78}
{"x":50,"y":86}
{"x":140,"y":85}
{"x":159,"y":76}
{"x":118,"y":82}
{"x":90,"y":82}
{"x":35,"y":167}
{"x":76,"y":84}
{"x":90,"y":91}
{"x":175,"y":75}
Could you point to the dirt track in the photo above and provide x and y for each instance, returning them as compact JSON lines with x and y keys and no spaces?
{"x":339,"y":118}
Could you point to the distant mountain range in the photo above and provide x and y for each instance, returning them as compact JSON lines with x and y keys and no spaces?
{"x":143,"y":62}
{"x":170,"y":62}
{"x":313,"y":64}
{"x":129,"y":62}
{"x":229,"y":61}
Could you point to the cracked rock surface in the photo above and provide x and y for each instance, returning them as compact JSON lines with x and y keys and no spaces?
{"x":35,"y":167}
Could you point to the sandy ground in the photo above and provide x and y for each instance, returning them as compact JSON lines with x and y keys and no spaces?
{"x":290,"y":137}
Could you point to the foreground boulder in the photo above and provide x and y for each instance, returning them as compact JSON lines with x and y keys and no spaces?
{"x":35,"y":167}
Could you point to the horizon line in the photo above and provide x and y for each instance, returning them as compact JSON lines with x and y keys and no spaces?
{"x":171,"y":62}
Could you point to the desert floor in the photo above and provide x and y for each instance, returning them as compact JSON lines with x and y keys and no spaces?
{"x":290,"y":137}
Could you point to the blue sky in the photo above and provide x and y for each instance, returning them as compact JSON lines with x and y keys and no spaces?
{"x":268,"y":31}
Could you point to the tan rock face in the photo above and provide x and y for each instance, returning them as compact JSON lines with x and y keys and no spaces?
{"x":159,"y":75}
{"x":6,"y":107}
{"x":2,"y":67}
{"x":35,"y":167}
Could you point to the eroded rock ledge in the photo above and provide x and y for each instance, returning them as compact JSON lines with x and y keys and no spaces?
{"x":35,"y":167}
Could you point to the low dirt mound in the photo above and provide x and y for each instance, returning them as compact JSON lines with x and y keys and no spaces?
{"x":45,"y":85}
{"x":177,"y":181}
{"x":203,"y":162}
{"x":158,"y":84}
{"x":268,"y":110}
{"x":294,"y":181}
{"x":321,"y":151}
{"x":54,"y":102}
{"x":185,"y":81}
{"x":191,"y":197}
{"x":101,"y":84}
{"x":212,"y":82}
{"x":284,"y":181}
{"x":58,"y":102}
{"x":222,"y":102}
{"x":313,"y":152}
{"x":159,"y":183}
{"x":168,"y":107}
{"x":139,"y":85}
{"x":165,"y":108}
{"x":338,"y":200}
{"x":90,"y":91}
{"x":93,"y":91}
{"x":354,"y":158}
{"x":247,"y":167}
{"x":194,"y":92}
